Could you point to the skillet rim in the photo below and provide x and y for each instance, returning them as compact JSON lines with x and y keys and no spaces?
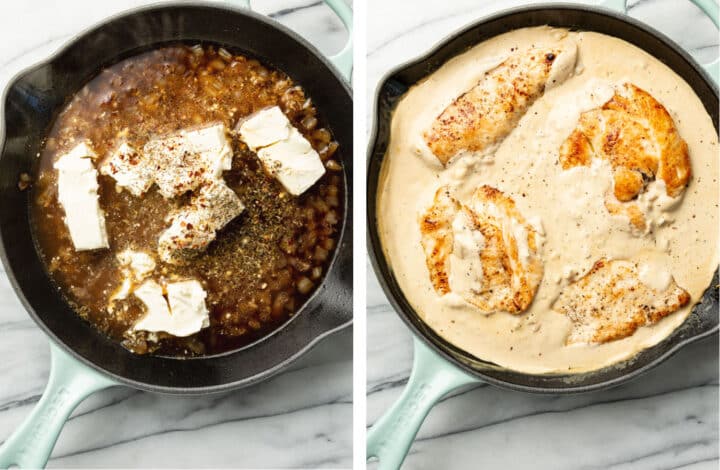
{"x":383,"y":271}
{"x":326,"y":330}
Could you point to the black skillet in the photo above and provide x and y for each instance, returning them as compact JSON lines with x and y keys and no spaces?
{"x":84,"y":360}
{"x":440,"y":367}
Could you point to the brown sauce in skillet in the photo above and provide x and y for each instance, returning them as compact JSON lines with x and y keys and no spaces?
{"x":262,"y":266}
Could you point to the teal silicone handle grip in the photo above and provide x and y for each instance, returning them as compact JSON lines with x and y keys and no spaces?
{"x":709,"y":7}
{"x":432,"y":378}
{"x":343,"y":60}
{"x":617,"y":5}
{"x":70,"y":383}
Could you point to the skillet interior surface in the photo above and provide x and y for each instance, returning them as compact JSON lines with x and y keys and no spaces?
{"x":703,"y":321}
{"x":31,"y":103}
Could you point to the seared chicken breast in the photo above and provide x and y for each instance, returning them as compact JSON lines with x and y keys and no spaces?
{"x":483,"y":251}
{"x":611,"y":302}
{"x":636,"y":134}
{"x":437,"y":237}
{"x":488,"y":112}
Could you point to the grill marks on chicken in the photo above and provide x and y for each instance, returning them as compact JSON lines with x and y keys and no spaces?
{"x":484,"y":251}
{"x":488,"y":112}
{"x":610,"y":303}
{"x":636,"y":134}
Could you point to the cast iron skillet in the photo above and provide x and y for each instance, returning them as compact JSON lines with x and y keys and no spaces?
{"x":84,"y":360}
{"x":438,"y":365}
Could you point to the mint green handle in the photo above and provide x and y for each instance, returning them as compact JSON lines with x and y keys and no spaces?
{"x":616,"y":5}
{"x":70,"y":383}
{"x":432,"y":377}
{"x":709,"y":7}
{"x":343,"y":60}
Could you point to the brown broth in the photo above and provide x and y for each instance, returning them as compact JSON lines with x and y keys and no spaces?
{"x":262,"y":266}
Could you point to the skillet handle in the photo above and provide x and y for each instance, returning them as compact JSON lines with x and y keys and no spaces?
{"x":709,"y":7}
{"x":343,"y":60}
{"x":432,"y":377}
{"x":70,"y":383}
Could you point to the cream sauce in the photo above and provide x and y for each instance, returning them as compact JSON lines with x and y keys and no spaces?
{"x":465,"y":268}
{"x":578,"y":230}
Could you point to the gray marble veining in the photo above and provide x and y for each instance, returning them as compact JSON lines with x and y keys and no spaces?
{"x":665,"y":419}
{"x":281,"y":423}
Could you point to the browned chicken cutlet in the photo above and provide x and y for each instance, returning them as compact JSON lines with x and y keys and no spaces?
{"x":437,"y":238}
{"x":511,"y":269}
{"x":610,"y":303}
{"x":488,"y":112}
{"x":636,"y":134}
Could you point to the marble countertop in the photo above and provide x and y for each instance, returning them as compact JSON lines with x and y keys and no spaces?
{"x":666,"y":419}
{"x":281,"y":423}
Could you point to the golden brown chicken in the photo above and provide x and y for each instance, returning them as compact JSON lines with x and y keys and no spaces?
{"x":611,"y":302}
{"x":636,"y":134}
{"x":488,"y":112}
{"x":437,"y":238}
{"x":484,"y":251}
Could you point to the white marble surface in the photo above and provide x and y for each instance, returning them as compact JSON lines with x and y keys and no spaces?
{"x":282,"y":423}
{"x":666,"y":419}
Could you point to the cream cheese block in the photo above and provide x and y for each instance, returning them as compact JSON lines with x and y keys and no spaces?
{"x":134,"y":266}
{"x":284,"y":152}
{"x":177,"y":163}
{"x":78,"y":195}
{"x":213,"y":146}
{"x":129,"y":170}
{"x":182,"y":314}
{"x":194,"y":226}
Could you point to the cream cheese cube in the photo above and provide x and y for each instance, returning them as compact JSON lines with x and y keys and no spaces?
{"x":176,"y":166}
{"x":190,"y":232}
{"x":266,"y":127}
{"x":120,"y":293}
{"x":186,"y":160}
{"x":283,"y":150}
{"x":186,"y":314}
{"x":194,"y":226}
{"x":293,"y":162}
{"x":78,"y":194}
{"x":129,"y":169}
{"x":137,"y":264}
{"x":213,"y":146}
{"x":157,"y":316}
{"x":187,"y":306}
{"x":134,"y":266}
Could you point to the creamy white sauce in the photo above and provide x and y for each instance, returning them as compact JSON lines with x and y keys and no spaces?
{"x":577,"y":228}
{"x":655,"y":275}
{"x":466,"y":273}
